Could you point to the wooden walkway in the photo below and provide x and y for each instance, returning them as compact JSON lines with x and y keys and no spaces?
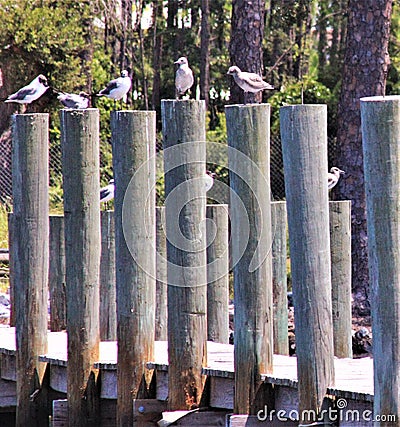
{"x":354,"y":377}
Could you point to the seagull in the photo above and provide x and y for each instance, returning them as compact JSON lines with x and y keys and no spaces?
{"x":333,"y":177}
{"x":33,"y":91}
{"x":71,"y":100}
{"x":183,"y":77}
{"x":249,"y":82}
{"x":209,"y":180}
{"x":118,"y":88}
{"x":107,"y":192}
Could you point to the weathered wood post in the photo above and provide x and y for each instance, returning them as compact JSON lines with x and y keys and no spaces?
{"x":10,"y":220}
{"x":340,"y":237}
{"x":248,"y":140}
{"x":161,"y":283}
{"x":279,"y":276}
{"x":133,"y":144}
{"x":380,"y":131}
{"x":108,"y":303}
{"x":304,"y":145}
{"x":217,"y":273}
{"x":183,"y":124}
{"x":30,"y":256}
{"x":57,"y":291}
{"x":80,"y":156}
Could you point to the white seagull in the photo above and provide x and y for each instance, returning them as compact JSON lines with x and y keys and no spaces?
{"x":333,"y":177}
{"x":72,"y":100}
{"x":184,"y":77}
{"x":209,"y":180}
{"x":118,"y":88}
{"x":107,"y":192}
{"x":33,"y":91}
{"x":249,"y":82}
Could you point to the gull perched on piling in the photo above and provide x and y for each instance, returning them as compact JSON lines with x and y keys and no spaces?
{"x":184,"y":77}
{"x":118,"y":88}
{"x":249,"y":82}
{"x":107,"y":192}
{"x":72,"y":100}
{"x":209,"y":180}
{"x":334,"y":176}
{"x":33,"y":91}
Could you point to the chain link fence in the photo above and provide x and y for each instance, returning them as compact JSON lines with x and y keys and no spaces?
{"x":55,"y":170}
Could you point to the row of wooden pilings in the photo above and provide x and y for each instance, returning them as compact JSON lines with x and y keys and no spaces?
{"x":303,"y":130}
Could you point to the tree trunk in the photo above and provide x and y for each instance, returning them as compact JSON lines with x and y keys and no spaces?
{"x":205,"y":52}
{"x":246,"y":43}
{"x":364,"y":74}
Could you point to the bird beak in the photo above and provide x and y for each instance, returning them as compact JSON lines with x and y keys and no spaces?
{"x":342,"y":172}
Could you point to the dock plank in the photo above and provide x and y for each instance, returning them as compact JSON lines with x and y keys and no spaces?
{"x":354,"y":377}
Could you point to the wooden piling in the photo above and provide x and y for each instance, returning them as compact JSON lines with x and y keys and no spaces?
{"x":57,"y":291}
{"x":380,"y":131}
{"x":10,"y":223}
{"x":161,"y":275}
{"x":217,"y":273}
{"x":80,"y":156}
{"x":108,"y":308}
{"x":248,"y":154}
{"x":340,"y":238}
{"x":183,"y":125}
{"x":133,"y":144}
{"x":279,"y":277}
{"x":304,"y":145}
{"x":30,"y":257}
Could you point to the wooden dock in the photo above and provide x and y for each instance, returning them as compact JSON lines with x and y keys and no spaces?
{"x":354,"y":377}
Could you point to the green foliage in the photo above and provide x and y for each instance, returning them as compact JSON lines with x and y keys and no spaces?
{"x":312,"y":91}
{"x":4,"y":210}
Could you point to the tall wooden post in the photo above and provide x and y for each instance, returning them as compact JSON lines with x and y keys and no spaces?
{"x":248,"y":140}
{"x":161,"y":283}
{"x":185,"y":209}
{"x":340,"y":237}
{"x":57,"y":291}
{"x":80,"y":155}
{"x":304,"y":145}
{"x":217,"y":273}
{"x":108,"y":303}
{"x":30,"y":256}
{"x":279,"y":275}
{"x":133,"y":143}
{"x":380,"y":131}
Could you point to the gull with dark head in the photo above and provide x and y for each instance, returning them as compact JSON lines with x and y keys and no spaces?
{"x":74,"y":101}
{"x":249,"y":82}
{"x":118,"y":88}
{"x":33,"y":91}
{"x":184,"y":77}
{"x":334,"y":176}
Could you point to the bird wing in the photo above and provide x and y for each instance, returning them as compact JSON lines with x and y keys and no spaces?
{"x":332,"y":180}
{"x":22,"y":93}
{"x":113,"y":84}
{"x":104,"y":192}
{"x":253,"y":78}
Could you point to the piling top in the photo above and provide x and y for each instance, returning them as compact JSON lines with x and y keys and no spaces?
{"x":247,"y":105}
{"x":183,"y":100}
{"x":78,"y":110}
{"x":31,"y":114}
{"x":304,"y":106}
{"x":380,"y":98}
